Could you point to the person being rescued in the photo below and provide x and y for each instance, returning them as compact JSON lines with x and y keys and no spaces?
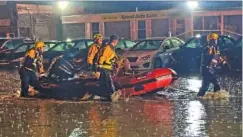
{"x":32,"y":63}
{"x":211,"y":60}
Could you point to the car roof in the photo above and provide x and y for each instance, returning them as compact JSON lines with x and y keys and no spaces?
{"x":74,"y":40}
{"x":34,"y":42}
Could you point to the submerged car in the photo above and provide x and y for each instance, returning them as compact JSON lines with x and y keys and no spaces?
{"x":188,"y":57}
{"x":143,"y":53}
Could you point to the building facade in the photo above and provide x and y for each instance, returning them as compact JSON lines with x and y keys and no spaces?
{"x":153,"y":24}
{"x":8,"y":17}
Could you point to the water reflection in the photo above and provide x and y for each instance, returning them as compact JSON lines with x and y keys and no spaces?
{"x":195,"y":118}
{"x":136,"y":118}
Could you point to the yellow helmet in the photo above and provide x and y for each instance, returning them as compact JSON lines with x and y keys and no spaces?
{"x":213,"y":36}
{"x":98,"y":36}
{"x":39,"y":44}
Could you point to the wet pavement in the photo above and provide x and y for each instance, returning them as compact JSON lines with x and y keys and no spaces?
{"x":174,"y":113}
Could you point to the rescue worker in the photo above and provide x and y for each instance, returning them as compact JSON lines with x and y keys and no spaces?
{"x":32,"y":62}
{"x":210,"y":61}
{"x":93,"y":52}
{"x":106,"y":63}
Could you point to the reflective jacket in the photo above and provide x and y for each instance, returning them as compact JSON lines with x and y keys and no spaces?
{"x":93,"y":53}
{"x":107,"y":55}
{"x":33,"y":60}
{"x":211,"y":59}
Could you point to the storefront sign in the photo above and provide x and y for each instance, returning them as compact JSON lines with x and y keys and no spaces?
{"x":4,"y":22}
{"x":135,"y":16}
{"x":33,"y":9}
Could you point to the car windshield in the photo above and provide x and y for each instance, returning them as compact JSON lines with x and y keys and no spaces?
{"x":62,"y":46}
{"x":2,"y":41}
{"x":238,"y":43}
{"x":195,"y":42}
{"x":129,"y":43}
{"x":148,"y":45}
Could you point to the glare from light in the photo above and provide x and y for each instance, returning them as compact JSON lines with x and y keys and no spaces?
{"x":198,"y":36}
{"x":194,"y":84}
{"x":69,"y":40}
{"x":192,"y":4}
{"x":196,"y":112}
{"x":62,"y":4}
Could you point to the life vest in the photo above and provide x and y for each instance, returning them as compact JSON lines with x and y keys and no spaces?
{"x":33,"y":60}
{"x":107,"y":57}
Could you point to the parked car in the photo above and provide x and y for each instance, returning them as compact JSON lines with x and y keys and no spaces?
{"x":70,"y":49}
{"x":2,"y":40}
{"x":142,"y":54}
{"x":123,"y":44}
{"x":234,"y":55}
{"x":188,"y":57}
{"x":11,"y":44}
{"x":14,"y":56}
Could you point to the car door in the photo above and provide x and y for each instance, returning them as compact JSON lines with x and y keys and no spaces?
{"x":188,"y":57}
{"x":162,"y":56}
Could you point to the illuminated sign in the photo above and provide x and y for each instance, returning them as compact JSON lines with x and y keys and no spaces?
{"x":135,"y":16}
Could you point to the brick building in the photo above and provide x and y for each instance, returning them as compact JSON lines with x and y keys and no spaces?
{"x":151,"y":24}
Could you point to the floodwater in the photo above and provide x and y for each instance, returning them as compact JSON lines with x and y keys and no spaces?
{"x":175,"y":113}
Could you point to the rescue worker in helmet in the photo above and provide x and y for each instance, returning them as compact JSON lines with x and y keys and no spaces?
{"x":32,"y":62}
{"x":210,"y":61}
{"x":106,"y":63}
{"x":93,"y":52}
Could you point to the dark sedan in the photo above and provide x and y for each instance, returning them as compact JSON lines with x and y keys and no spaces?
{"x":69,"y":49}
{"x":13,"y":57}
{"x":188,"y":57}
{"x":79,"y":49}
{"x":234,"y":55}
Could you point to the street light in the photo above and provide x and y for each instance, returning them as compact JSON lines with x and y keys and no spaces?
{"x":192,"y":4}
{"x":62,"y":4}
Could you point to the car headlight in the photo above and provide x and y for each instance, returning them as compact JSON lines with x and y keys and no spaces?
{"x":146,"y":57}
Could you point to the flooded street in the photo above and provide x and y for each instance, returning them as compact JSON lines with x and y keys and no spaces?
{"x":174,"y":113}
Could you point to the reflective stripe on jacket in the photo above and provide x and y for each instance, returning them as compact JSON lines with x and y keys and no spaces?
{"x":33,"y":60}
{"x":106,"y":56}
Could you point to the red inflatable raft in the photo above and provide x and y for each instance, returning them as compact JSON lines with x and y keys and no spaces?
{"x":146,"y":82}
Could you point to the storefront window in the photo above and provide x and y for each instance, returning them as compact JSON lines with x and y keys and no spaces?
{"x":141,"y":29}
{"x":95,"y":28}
